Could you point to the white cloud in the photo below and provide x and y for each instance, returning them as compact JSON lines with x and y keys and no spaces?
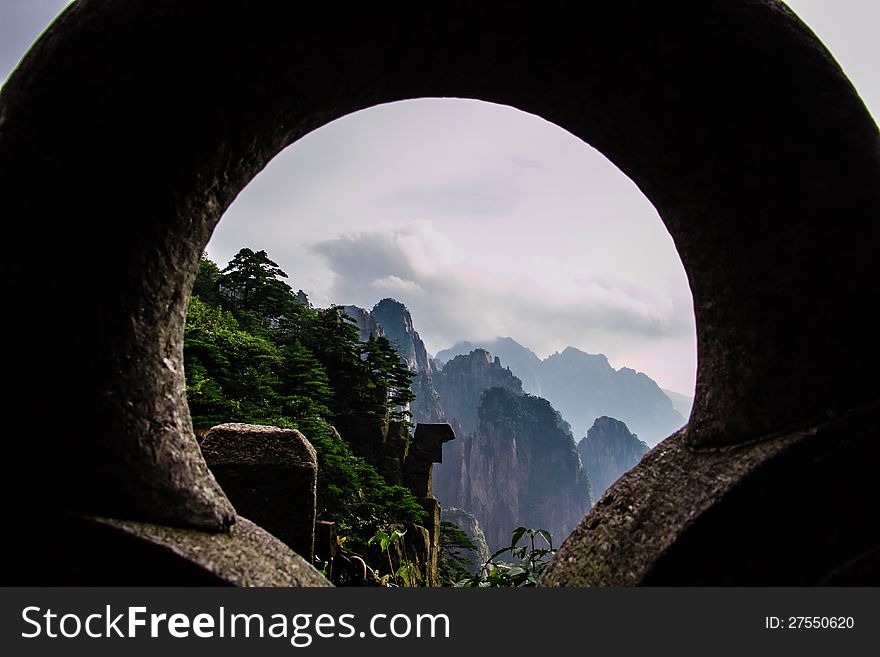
{"x":453,"y":300}
{"x":395,"y":284}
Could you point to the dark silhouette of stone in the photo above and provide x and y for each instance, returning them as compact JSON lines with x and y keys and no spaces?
{"x":93,"y":551}
{"x":426,"y":450}
{"x":325,"y":541}
{"x":607,"y":451}
{"x":270,"y":475}
{"x":130,"y":127}
{"x":759,"y":498}
{"x":407,"y":460}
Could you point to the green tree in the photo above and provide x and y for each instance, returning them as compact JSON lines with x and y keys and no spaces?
{"x":252,"y":281}
{"x":231,"y":373}
{"x":253,"y":353}
{"x":206,"y":284}
{"x":532,"y":562}
{"x":453,"y":563}
{"x":391,"y":375}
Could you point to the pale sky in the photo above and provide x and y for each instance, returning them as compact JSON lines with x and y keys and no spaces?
{"x":483,"y":220}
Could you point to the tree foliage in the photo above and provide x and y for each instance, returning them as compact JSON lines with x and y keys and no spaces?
{"x":254,"y":353}
{"x":533,"y":559}
{"x":453,"y":562}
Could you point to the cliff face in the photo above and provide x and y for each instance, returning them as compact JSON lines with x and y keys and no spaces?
{"x":608,"y":450}
{"x":391,"y":319}
{"x":398,"y":326}
{"x":461,"y":382}
{"x":366,"y":323}
{"x":468,"y":523}
{"x":426,"y":407}
{"x":520,"y":467}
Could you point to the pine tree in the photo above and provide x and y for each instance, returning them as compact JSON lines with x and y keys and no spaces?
{"x":252,"y":282}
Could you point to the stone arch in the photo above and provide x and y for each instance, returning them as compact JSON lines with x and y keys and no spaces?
{"x":130,"y":127}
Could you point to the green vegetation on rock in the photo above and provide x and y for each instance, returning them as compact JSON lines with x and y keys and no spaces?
{"x":255,"y":352}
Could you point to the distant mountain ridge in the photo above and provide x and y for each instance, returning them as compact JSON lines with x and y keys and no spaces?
{"x":607,"y":451}
{"x":584,"y":387}
{"x":681,"y":403}
{"x":521,"y":360}
{"x":514,"y":461}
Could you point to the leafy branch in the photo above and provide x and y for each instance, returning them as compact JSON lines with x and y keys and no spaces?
{"x":532,"y":562}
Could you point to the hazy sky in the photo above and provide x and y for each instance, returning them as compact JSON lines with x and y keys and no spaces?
{"x":484,"y":220}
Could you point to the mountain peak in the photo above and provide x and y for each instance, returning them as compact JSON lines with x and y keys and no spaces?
{"x":607,"y":451}
{"x":574,"y":352}
{"x":366,"y":323}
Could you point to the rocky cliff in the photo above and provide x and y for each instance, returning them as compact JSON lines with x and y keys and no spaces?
{"x":468,"y":523}
{"x":426,"y":407}
{"x":520,"y":467}
{"x":607,"y":451}
{"x":584,"y":386}
{"x":463,"y":379}
{"x":397,"y":323}
{"x":391,"y":319}
{"x":459,"y":386}
{"x":367,"y":324}
{"x":522,"y":361}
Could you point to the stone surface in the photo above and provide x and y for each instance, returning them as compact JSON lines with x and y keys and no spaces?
{"x":246,"y":556}
{"x":426,"y":407}
{"x":425,"y":450}
{"x":326,"y":535}
{"x":703,"y":517}
{"x":92,"y":551}
{"x":270,"y":475}
{"x":607,"y":451}
{"x":731,"y":117}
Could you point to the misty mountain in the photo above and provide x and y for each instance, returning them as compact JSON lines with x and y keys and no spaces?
{"x":607,"y":451}
{"x":521,"y":360}
{"x":397,"y":323}
{"x":515,"y":461}
{"x":681,"y":403}
{"x":584,"y":387}
{"x":463,"y":379}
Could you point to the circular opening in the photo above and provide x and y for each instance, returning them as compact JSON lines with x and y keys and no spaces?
{"x":484,"y":221}
{"x":453,"y":226}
